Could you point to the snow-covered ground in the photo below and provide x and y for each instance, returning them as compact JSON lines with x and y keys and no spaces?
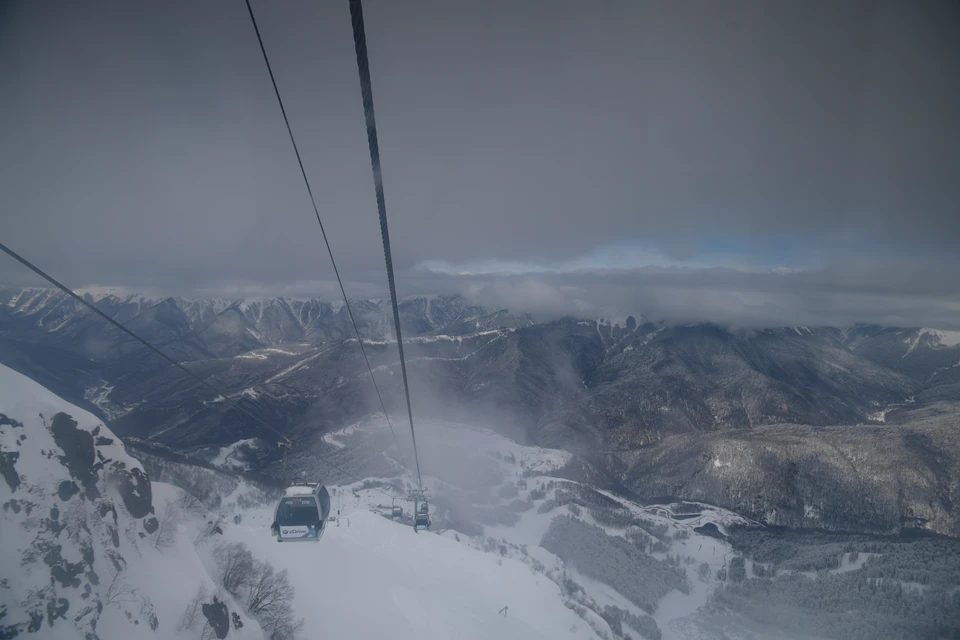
{"x":336,"y":438}
{"x":942,"y":339}
{"x":370,"y":577}
{"x":229,"y":457}
{"x":80,"y":557}
{"x":100,"y":396}
{"x":481,"y":450}
{"x":265,"y":353}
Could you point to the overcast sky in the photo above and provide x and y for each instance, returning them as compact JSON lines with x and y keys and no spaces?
{"x":747,"y":162}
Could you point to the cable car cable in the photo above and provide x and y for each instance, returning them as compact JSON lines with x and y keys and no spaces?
{"x":323,"y":232}
{"x":160,"y":353}
{"x":130,"y":333}
{"x":366,"y":92}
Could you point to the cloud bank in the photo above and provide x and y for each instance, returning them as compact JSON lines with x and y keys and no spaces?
{"x":635,"y":157}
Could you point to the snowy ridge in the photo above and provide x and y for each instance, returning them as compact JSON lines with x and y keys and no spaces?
{"x":941,"y":339}
{"x":97,"y":293}
{"x":227,"y":326}
{"x":79,"y":530}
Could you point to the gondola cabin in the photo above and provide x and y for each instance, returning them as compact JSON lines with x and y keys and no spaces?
{"x":302,"y":513}
{"x":422,"y":518}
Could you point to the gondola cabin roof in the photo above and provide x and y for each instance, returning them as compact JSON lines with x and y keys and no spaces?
{"x":304,"y":489}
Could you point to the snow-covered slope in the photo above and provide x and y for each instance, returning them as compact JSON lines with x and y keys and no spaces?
{"x":522,"y":546}
{"x":79,"y":532}
{"x":493,"y":495}
{"x":938,"y":339}
{"x":373,"y":578}
{"x":90,"y":551}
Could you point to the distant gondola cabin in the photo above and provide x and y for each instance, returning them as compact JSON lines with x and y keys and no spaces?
{"x":422,"y":517}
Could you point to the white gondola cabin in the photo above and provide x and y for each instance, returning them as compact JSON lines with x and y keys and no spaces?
{"x":302,"y":513}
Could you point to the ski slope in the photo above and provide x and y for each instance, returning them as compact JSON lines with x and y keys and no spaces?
{"x":466,"y":458}
{"x":370,"y":577}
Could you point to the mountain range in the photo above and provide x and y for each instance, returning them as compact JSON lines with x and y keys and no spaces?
{"x":812,"y":412}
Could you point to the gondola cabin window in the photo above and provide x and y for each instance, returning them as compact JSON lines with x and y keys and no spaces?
{"x":298,"y":511}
